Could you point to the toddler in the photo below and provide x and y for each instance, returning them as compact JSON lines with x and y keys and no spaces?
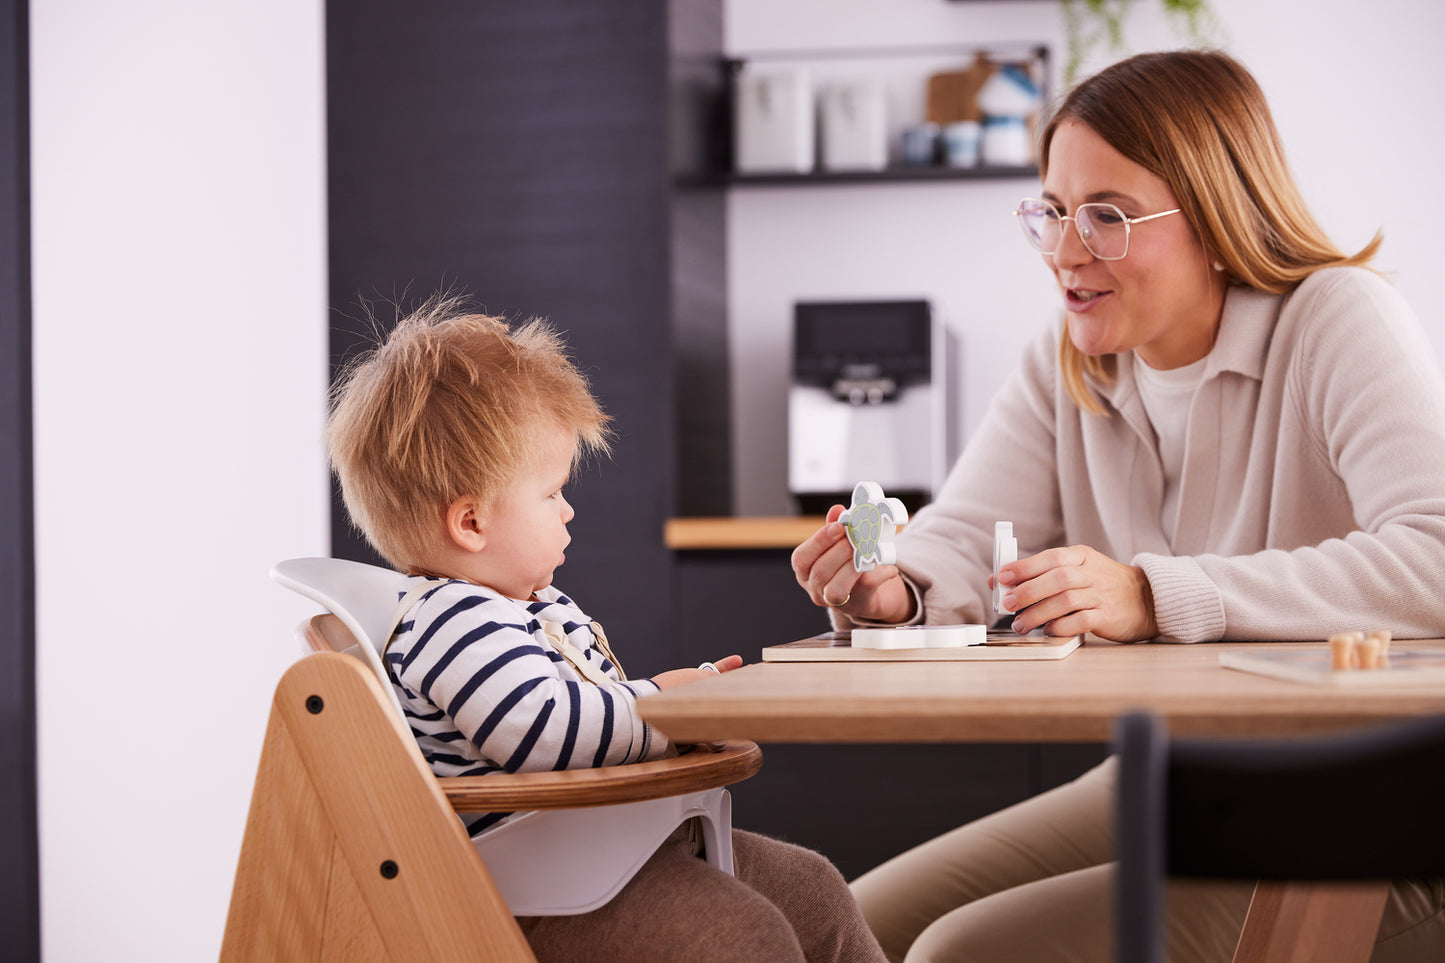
{"x":453,"y":443}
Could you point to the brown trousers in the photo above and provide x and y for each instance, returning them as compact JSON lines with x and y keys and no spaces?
{"x":1035,"y":883}
{"x":784,"y":904}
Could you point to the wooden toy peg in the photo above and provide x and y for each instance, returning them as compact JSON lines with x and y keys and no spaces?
{"x":1384,"y":636}
{"x":1358,"y":637}
{"x":1342,"y":650}
{"x":1367,"y":651}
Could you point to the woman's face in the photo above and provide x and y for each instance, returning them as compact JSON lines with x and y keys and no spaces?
{"x":1163,"y":300}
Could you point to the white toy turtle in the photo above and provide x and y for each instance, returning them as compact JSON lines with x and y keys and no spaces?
{"x":870,"y":523}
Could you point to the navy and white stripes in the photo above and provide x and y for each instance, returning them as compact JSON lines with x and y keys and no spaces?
{"x":485,"y":691}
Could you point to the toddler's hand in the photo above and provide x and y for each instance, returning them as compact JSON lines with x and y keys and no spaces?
{"x":676,"y":677}
{"x":727,"y":664}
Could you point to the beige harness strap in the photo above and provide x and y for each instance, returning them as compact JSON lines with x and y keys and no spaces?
{"x":553,"y":630}
{"x":403,"y":607}
{"x":593,"y":674}
{"x":601,"y":638}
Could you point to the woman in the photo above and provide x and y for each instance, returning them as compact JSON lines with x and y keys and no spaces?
{"x":1238,"y":433}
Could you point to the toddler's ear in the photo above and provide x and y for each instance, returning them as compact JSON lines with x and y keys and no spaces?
{"x":464,"y":524}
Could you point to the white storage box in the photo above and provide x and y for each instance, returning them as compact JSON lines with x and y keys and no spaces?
{"x":773,"y":121}
{"x":853,"y":132}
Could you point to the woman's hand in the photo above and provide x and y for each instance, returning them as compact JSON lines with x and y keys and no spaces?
{"x":676,"y":677}
{"x":823,"y":566}
{"x":1069,"y":591}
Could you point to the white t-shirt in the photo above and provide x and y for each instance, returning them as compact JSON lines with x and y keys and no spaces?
{"x":1167,"y":397}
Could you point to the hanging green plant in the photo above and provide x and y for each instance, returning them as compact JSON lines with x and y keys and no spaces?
{"x":1089,"y":23}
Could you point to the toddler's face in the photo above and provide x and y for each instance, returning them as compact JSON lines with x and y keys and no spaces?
{"x":526,"y":527}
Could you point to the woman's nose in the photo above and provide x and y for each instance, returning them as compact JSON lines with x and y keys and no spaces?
{"x":1071,"y":249}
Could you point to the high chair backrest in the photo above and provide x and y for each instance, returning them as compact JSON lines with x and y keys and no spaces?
{"x":363,"y":596}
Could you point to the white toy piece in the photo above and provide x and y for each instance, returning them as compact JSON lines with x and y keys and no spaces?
{"x":871,"y":522}
{"x":920,"y":637}
{"x":1005,"y":550}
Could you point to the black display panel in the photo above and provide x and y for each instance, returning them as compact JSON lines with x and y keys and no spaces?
{"x":831,"y":336}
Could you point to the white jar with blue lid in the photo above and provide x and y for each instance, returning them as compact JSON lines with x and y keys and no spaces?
{"x":1005,"y":142}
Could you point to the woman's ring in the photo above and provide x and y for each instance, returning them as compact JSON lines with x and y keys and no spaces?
{"x":836,"y":605}
{"x":709,"y":667}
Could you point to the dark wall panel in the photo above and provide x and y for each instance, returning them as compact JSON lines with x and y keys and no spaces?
{"x":519,"y":152}
{"x":699,"y":147}
{"x":19,"y":849}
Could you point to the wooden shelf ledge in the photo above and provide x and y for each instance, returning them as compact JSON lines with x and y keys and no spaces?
{"x":731,"y":532}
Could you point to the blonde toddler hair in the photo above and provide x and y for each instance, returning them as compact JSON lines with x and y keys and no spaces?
{"x":448,"y":406}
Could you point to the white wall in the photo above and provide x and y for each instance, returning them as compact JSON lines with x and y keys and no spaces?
{"x":1353,"y":95}
{"x":180,"y":365}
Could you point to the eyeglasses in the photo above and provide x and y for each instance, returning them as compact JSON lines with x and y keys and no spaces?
{"x":1103,"y":228}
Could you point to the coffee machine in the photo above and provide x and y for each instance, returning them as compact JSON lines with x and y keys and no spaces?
{"x":871,"y":400}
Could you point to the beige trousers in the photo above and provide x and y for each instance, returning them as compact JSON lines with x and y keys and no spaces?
{"x":785,"y":904}
{"x":1035,"y":883}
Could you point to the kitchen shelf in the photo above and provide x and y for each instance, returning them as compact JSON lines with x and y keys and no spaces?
{"x":927,"y":58}
{"x":897,"y":173}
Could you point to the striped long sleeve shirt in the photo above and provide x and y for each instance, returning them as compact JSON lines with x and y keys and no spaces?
{"x":485,"y":690}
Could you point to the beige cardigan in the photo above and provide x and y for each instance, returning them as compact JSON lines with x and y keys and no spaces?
{"x":1313,"y":492}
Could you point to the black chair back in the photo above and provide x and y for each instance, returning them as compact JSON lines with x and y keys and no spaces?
{"x":1354,"y":806}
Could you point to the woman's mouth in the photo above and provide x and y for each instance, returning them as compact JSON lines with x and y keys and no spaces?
{"x":1081,"y":299}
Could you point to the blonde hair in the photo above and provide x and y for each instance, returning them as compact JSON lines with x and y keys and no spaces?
{"x":446,"y":407}
{"x":1199,"y":120}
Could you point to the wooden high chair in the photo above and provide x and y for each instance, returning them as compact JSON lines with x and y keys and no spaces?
{"x":353,"y":851}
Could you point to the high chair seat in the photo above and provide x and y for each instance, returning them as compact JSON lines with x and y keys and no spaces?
{"x":552,"y":858}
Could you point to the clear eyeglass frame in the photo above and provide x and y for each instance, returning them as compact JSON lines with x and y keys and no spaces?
{"x":1096,"y":223}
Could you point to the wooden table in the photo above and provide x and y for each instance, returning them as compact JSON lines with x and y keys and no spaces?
{"x":1072,"y":700}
